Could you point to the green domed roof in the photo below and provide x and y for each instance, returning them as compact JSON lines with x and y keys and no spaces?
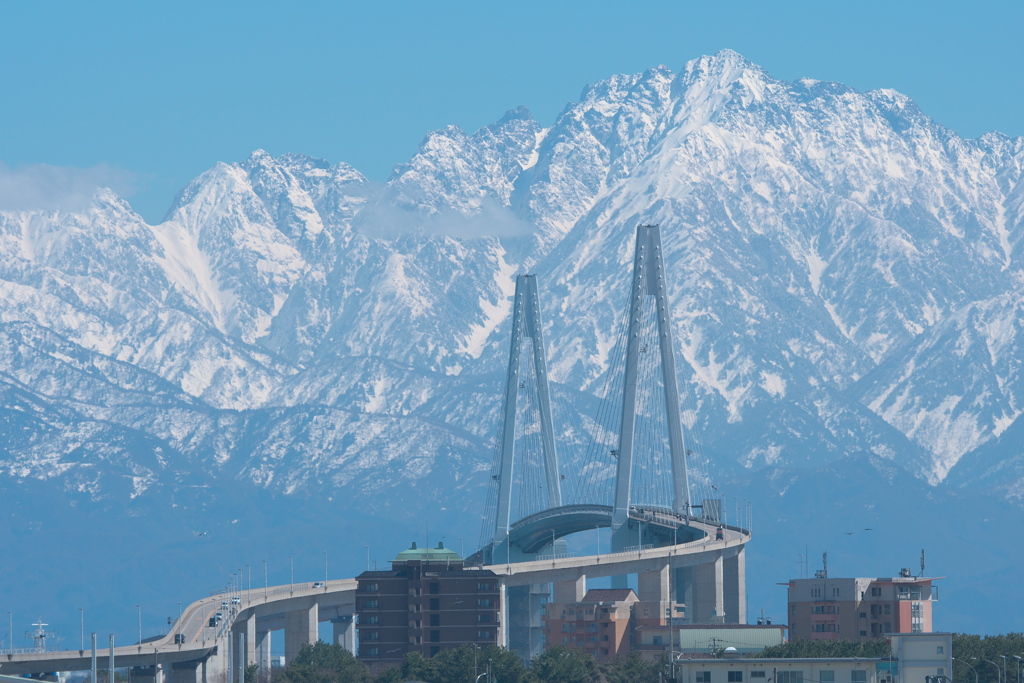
{"x":438,"y":554}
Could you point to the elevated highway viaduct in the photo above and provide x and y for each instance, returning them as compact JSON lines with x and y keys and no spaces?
{"x":709,"y":572}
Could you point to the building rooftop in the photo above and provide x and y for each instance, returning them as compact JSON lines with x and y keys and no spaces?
{"x":438,"y":554}
{"x":608,"y":595}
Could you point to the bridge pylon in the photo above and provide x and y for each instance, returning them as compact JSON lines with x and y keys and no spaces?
{"x":526,"y":324}
{"x":649,"y":282}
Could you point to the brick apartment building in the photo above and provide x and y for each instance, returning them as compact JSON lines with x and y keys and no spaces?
{"x":826,"y":608}
{"x":427,"y":602}
{"x":605,"y":622}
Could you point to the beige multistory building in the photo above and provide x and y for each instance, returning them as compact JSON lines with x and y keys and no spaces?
{"x":825,"y":608}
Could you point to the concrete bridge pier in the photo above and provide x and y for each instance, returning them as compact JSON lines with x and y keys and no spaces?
{"x":189,"y":672}
{"x":570,"y":591}
{"x":263,"y":650}
{"x":249,"y":629}
{"x":344,"y":632}
{"x":300,"y":629}
{"x":525,"y":623}
{"x":708,"y":592}
{"x":734,"y":572}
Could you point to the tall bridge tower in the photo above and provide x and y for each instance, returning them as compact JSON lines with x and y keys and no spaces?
{"x":526,"y":324}
{"x":649,"y":287}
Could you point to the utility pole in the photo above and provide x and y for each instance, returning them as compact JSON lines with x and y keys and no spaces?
{"x":93,"y":667}
{"x":139,"y":607}
{"x":111,"y":676}
{"x":81,"y":613}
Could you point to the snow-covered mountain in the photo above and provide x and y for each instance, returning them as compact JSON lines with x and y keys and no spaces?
{"x":846,"y":281}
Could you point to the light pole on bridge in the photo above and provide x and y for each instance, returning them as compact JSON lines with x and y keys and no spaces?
{"x":139,"y":608}
{"x":291,"y":580}
{"x":265,"y":584}
{"x":325,"y":571}
{"x":81,"y":613}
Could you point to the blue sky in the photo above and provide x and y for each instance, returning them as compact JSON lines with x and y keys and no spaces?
{"x":153,"y":93}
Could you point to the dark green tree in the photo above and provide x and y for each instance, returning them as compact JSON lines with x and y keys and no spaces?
{"x":632,"y":669}
{"x":827,"y":648}
{"x":323,"y":663}
{"x":565,"y":665}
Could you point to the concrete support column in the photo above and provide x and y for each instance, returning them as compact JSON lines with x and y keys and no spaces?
{"x":653,"y":586}
{"x":709,"y":606}
{"x":300,"y":630}
{"x":570,"y":591}
{"x":263,"y":650}
{"x":186,"y":672}
{"x":503,"y":616}
{"x":158,"y":673}
{"x":344,"y":632}
{"x":249,"y":628}
{"x":735,"y":580}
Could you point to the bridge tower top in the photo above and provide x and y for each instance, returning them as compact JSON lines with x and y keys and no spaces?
{"x":649,"y":283}
{"x":526,"y":324}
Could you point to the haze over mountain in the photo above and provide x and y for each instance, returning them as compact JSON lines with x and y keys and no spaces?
{"x":295,"y":341}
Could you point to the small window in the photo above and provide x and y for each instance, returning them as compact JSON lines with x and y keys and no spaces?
{"x":372,"y":651}
{"x":758,"y":674}
{"x":859,"y":676}
{"x":371,"y":588}
{"x":791,"y":677}
{"x":703,"y":677}
{"x":876,"y":591}
{"x":735,"y":677}
{"x":370,"y":635}
{"x":863,"y":615}
{"x":435,"y":619}
{"x":483,"y":635}
{"x":827,"y":676}
{"x":863,"y":633}
{"x":483,"y":586}
{"x":940,"y":671}
{"x":483,"y":602}
{"x":938,"y":651}
{"x":793,"y":609}
{"x":483,"y":618}
{"x":369,"y":619}
{"x":435,"y":588}
{"x":435,"y":636}
{"x":657,"y":640}
{"x":435,"y":604}
{"x":370,"y":604}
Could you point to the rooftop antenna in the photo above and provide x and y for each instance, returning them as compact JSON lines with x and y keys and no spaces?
{"x":824,"y":564}
{"x":922,"y":561}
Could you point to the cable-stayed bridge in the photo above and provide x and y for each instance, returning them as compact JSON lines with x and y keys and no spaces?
{"x":631,"y":475}
{"x":627,"y":469}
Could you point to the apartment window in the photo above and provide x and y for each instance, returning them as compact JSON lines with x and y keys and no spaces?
{"x":735,"y":677}
{"x":370,"y":635}
{"x":888,"y":627}
{"x":372,"y":651}
{"x":483,"y":635}
{"x":863,"y":615}
{"x":369,"y":620}
{"x":435,"y":619}
{"x":827,"y":676}
{"x":483,"y":586}
{"x":435,"y":588}
{"x":876,"y":591}
{"x":793,"y":609}
{"x":435,"y":636}
{"x":483,"y":602}
{"x":483,"y":618}
{"x":606,"y":637}
{"x":863,"y":633}
{"x":859,"y":676}
{"x":938,"y":651}
{"x":758,"y":674}
{"x":703,"y":677}
{"x":370,"y":604}
{"x":940,"y":672}
{"x":791,"y":677}
{"x":435,"y":604}
{"x":888,"y":608}
{"x":835,"y":592}
{"x":371,"y":588}
{"x":656,"y":641}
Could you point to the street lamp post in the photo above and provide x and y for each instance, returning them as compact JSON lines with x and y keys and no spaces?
{"x":10,"y":635}
{"x":248,"y":595}
{"x":139,"y":607}
{"x":969,"y":666}
{"x":1004,"y":667}
{"x":999,"y":677}
{"x":81,"y":613}
{"x":266,"y":586}
{"x":1017,"y":657}
{"x":291,"y":580}
{"x":179,"y":618}
{"x":325,"y":571}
